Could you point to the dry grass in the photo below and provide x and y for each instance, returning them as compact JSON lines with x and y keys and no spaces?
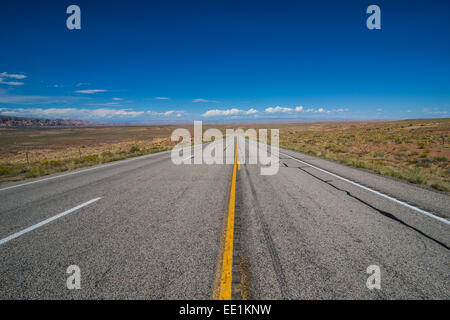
{"x":414,"y":150}
{"x":28,"y":153}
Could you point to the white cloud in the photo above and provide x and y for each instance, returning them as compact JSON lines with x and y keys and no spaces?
{"x":11,"y":83}
{"x":176,"y":113}
{"x":72,"y":113}
{"x":162,"y":98}
{"x":202,"y":100}
{"x":117,"y":99}
{"x":267,"y":111}
{"x":278,"y":109}
{"x":322,"y":110}
{"x":228,"y":112}
{"x":14,"y":76}
{"x":79,"y":84}
{"x":98,"y":114}
{"x":103,"y":104}
{"x":91,"y":91}
{"x":437,"y":112}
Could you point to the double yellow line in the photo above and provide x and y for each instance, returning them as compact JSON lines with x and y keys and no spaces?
{"x":224,"y":289}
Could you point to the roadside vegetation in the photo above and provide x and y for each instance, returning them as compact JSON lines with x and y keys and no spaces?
{"x":417,"y":151}
{"x":30,"y":153}
{"x":414,"y":150}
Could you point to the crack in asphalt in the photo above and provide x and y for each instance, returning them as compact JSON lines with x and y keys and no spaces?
{"x":384,"y":213}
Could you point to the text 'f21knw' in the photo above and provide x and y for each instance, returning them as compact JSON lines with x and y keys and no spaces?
{"x":213,"y":153}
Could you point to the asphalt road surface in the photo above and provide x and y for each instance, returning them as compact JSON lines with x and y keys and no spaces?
{"x":145,"y":228}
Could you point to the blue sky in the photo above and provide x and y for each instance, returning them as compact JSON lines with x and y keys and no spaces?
{"x":166,"y":61}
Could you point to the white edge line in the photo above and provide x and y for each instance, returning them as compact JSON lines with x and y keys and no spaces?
{"x":373,"y":191}
{"x":18,"y":234}
{"x":89,"y":169}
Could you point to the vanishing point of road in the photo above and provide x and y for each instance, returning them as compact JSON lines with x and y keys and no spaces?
{"x":145,"y":228}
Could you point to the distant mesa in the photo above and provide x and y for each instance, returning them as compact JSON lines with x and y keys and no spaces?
{"x":20,"y":122}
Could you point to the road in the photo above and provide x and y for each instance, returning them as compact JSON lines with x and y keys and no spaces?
{"x":145,"y":228}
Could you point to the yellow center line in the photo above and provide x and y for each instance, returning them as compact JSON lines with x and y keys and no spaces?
{"x":227,"y":259}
